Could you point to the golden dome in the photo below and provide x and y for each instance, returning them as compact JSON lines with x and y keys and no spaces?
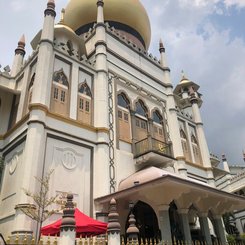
{"x":129,"y":14}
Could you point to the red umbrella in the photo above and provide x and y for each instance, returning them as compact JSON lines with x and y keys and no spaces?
{"x":85,"y":226}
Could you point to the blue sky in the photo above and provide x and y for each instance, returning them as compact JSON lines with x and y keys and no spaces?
{"x":205,"y":38}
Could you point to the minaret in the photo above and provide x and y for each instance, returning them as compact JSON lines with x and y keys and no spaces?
{"x":195,"y":102}
{"x":164,"y":64}
{"x":172,"y":113}
{"x":19,"y":56}
{"x":225,"y":163}
{"x":35,"y":138}
{"x":43,"y":79}
{"x":101,"y":88}
{"x":102,"y":184}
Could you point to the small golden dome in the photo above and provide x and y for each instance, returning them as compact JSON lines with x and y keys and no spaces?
{"x":130,"y":15}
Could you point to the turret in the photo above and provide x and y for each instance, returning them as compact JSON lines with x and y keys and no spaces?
{"x":225,"y":163}
{"x":43,"y":78}
{"x":163,"y":62}
{"x":101,"y":105}
{"x":101,"y":99}
{"x":19,"y":56}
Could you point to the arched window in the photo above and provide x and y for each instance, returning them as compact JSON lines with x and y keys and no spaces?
{"x":84,"y":103}
{"x":141,"y":121}
{"x":60,"y":94}
{"x":123,"y":114}
{"x":196,"y":150}
{"x":141,"y":108}
{"x":158,"y":132}
{"x":185,"y":145}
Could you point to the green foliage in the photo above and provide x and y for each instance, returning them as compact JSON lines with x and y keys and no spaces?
{"x":243,"y":237}
{"x":231,"y":238}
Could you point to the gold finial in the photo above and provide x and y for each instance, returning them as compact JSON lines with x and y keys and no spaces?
{"x":62,"y":16}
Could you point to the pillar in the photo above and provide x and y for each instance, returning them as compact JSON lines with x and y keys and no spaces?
{"x":132,"y":231}
{"x":114,"y":227}
{"x":200,"y":132}
{"x":164,"y":224}
{"x":43,"y":79}
{"x":19,"y":56}
{"x":203,"y":220}
{"x":68,"y":223}
{"x":220,"y":229}
{"x":185,"y":224}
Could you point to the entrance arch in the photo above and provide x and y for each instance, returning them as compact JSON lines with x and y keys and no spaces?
{"x":146,"y":221}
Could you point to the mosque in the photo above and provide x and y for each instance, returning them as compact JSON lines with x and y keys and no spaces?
{"x":92,"y":104}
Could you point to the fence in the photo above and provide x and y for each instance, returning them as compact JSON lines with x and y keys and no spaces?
{"x":102,"y":240}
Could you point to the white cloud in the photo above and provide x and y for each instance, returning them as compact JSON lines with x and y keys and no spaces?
{"x":210,"y":57}
{"x":237,"y":3}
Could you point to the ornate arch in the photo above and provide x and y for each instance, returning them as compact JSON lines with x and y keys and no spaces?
{"x":142,"y":108}
{"x":85,"y":89}
{"x":61,"y":78}
{"x":156,"y":116}
{"x":126,"y":103}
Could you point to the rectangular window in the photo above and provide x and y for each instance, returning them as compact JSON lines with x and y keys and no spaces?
{"x":87,"y":106}
{"x":120,"y":114}
{"x":143,"y":125}
{"x":81,"y":104}
{"x":63,"y":96}
{"x":155,"y":129}
{"x":160,"y":131}
{"x":126,"y":117}
{"x":137,"y":123}
{"x":56,"y":93}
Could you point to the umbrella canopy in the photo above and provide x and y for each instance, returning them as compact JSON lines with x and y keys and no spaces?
{"x":85,"y":226}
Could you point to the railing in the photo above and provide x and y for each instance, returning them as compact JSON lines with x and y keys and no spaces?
{"x":25,"y":240}
{"x":47,"y":240}
{"x":152,"y":145}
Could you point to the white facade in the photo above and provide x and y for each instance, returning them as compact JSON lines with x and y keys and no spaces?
{"x":97,"y":109}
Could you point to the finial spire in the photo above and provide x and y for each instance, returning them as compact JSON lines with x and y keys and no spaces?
{"x":62,"y":18}
{"x":224,"y":157}
{"x":21,"y":46}
{"x":161,"y":46}
{"x":50,"y":10}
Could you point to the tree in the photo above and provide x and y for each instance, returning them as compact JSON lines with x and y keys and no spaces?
{"x":39,"y":211}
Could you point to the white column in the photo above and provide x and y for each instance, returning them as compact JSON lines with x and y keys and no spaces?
{"x":74,"y":91}
{"x":101,"y":108}
{"x":19,"y":57}
{"x":201,"y":135}
{"x":164,"y":224}
{"x":43,"y":79}
{"x":173,"y":125}
{"x":203,"y":220}
{"x":32,"y":166}
{"x":220,"y":229}
{"x":185,"y":224}
{"x":24,"y":92}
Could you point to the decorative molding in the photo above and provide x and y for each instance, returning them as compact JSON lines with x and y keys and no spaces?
{"x":77,"y":123}
{"x":13,"y":164}
{"x":15,"y":127}
{"x":68,"y":157}
{"x":111,"y":135}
